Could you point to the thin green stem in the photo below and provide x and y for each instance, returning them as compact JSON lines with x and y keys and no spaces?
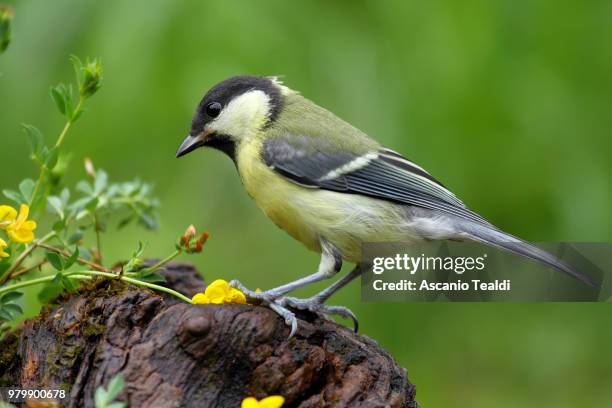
{"x":32,"y":282}
{"x":157,"y":287}
{"x":62,"y":135}
{"x":68,"y":125}
{"x":41,"y":176}
{"x":88,"y":274}
{"x":25,"y":254}
{"x":161,"y":263}
{"x":139,"y":283}
{"x":84,"y":277}
{"x":58,"y":143}
{"x":23,"y":284}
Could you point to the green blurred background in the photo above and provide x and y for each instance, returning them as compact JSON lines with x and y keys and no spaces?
{"x":507,"y":102}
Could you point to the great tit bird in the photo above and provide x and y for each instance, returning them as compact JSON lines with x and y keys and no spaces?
{"x":331,"y":187}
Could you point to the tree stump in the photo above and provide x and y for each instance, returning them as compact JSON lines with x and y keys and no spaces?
{"x":174,"y":354}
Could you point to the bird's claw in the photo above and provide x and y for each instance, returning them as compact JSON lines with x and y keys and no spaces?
{"x":251,"y":295}
{"x":280,"y":305}
{"x":271,"y":300}
{"x":315,"y":305}
{"x":288,"y":315}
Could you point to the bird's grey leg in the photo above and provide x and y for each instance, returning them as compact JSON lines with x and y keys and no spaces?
{"x":315,"y":303}
{"x":339,"y":284}
{"x":330,"y":264}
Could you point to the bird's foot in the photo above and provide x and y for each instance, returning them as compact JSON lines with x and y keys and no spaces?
{"x":287,"y":315}
{"x":281,"y":304}
{"x":315,"y":305}
{"x":254,"y":296}
{"x":271,"y":299}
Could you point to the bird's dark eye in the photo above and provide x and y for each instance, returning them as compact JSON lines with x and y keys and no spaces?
{"x":213,"y":109}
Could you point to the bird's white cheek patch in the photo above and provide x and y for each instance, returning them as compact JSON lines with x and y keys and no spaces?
{"x":243,"y":116}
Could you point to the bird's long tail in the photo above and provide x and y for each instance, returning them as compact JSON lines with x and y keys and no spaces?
{"x":510,"y":243}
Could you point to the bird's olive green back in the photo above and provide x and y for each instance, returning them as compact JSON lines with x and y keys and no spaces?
{"x":301,"y":117}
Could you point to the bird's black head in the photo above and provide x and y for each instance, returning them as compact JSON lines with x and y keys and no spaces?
{"x":231,"y":111}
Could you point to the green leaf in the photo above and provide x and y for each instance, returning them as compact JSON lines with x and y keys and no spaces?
{"x":59,"y":226}
{"x":51,"y":158}
{"x":58,"y":95}
{"x":103,"y":398}
{"x":138,"y":253}
{"x":115,"y":386}
{"x":135,"y":263}
{"x":100,"y":182}
{"x":92,"y":204}
{"x":55,"y":260}
{"x":57,"y":205}
{"x":148,"y":221}
{"x":85,"y":187}
{"x":152,"y":278}
{"x":10,"y":297}
{"x":26,"y":187}
{"x":14,"y":196}
{"x":5,"y":315}
{"x":72,"y":259}
{"x":70,"y":102}
{"x":85,"y":253}
{"x":63,"y":97}
{"x":100,"y":397}
{"x":49,"y":292}
{"x":76,"y":237}
{"x":124,"y":222}
{"x":57,"y":279}
{"x":68,"y":284}
{"x":78,"y":68}
{"x":79,"y":204}
{"x":13,"y":309}
{"x":36,"y":139}
{"x":65,"y":197}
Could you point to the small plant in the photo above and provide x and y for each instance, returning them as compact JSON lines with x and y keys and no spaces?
{"x":105,"y":398}
{"x":59,"y":256}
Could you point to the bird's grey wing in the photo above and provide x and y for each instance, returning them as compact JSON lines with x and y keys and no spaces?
{"x":381,"y":173}
{"x":384,"y":174}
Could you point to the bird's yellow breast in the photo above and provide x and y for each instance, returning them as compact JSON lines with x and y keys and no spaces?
{"x":273,"y":194}
{"x":345,"y":220}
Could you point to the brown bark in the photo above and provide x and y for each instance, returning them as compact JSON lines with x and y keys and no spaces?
{"x":175,"y":354}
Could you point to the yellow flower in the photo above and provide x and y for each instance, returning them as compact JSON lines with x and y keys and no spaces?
{"x":236,"y":296}
{"x":21,"y":229}
{"x":219,"y":292}
{"x":273,"y":401}
{"x":200,"y":299}
{"x":7,"y":216}
{"x":3,"y":245}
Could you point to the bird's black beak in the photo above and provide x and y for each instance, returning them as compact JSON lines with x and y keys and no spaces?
{"x":190,"y":144}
